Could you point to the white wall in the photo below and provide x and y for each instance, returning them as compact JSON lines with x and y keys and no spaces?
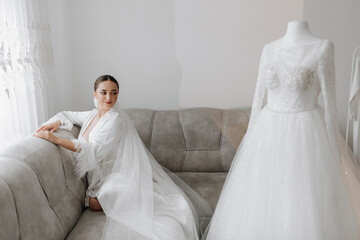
{"x":167,"y":54}
{"x":170,"y":54}
{"x":337,"y":20}
{"x":219,"y":44}
{"x":132,"y":40}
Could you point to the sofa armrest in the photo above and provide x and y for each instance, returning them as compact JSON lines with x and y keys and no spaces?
{"x":42,"y":196}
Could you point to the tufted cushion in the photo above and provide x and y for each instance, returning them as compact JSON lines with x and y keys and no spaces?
{"x":202,"y":128}
{"x":235,"y":126}
{"x":167,"y":142}
{"x":192,"y":140}
{"x":143,"y":121}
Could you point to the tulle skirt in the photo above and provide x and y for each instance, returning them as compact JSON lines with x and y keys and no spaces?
{"x":285,"y":184}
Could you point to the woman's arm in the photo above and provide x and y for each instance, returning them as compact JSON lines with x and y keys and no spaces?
{"x":65,"y":120}
{"x":92,"y":152}
{"x":48,"y":135}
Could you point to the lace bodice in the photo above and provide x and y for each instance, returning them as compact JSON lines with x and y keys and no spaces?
{"x":293,"y":76}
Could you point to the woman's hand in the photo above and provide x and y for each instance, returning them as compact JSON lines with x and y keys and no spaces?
{"x":52,"y":127}
{"x":47,"y":135}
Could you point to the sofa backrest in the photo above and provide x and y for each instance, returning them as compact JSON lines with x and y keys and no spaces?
{"x":192,"y":140}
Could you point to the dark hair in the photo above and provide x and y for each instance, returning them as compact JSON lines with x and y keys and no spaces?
{"x":104,"y":78}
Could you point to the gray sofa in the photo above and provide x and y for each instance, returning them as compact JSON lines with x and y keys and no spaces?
{"x":41,"y":198}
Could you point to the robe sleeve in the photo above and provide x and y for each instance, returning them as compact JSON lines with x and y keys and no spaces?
{"x":68,"y":119}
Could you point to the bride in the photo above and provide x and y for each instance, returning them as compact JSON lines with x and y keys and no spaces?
{"x":139,"y":199}
{"x":292,"y":178}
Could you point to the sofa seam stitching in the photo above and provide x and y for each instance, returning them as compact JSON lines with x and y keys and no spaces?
{"x":152,"y":127}
{"x":183,"y":137}
{"x":63,"y":167}
{"x":223,"y":127}
{"x":203,"y":149}
{"x":74,"y":195}
{"x":61,"y":223}
{"x":62,"y":195}
{"x":37,"y":175}
{"x":248,"y":113}
{"x":15,"y":205}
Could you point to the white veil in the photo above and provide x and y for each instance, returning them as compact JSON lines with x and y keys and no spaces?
{"x":140,"y":198}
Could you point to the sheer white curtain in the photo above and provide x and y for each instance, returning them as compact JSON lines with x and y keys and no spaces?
{"x":26,"y":67}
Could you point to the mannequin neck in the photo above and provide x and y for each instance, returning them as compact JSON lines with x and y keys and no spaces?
{"x":298,"y":31}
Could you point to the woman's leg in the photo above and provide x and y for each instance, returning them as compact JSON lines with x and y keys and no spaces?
{"x":94,"y":204}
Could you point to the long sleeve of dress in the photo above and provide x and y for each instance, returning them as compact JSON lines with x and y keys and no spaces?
{"x":327,"y":82}
{"x":259,"y":89}
{"x":68,"y":119}
{"x":99,"y":150}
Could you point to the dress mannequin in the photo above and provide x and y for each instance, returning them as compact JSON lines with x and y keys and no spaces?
{"x":285,"y":181}
{"x":297,"y":32}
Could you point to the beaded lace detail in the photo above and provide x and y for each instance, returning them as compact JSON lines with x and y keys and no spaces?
{"x":293,"y":77}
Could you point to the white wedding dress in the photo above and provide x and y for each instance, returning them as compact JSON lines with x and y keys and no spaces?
{"x":141,"y":200}
{"x":292,"y":177}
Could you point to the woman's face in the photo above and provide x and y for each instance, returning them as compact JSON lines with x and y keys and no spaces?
{"x":106,"y":95}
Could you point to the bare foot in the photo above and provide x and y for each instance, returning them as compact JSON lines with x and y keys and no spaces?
{"x":94,"y":204}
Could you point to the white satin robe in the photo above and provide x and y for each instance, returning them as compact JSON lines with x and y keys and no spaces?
{"x":96,"y":156}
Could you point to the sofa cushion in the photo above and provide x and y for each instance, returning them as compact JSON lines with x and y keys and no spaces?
{"x":90,"y":226}
{"x":167,"y":141}
{"x":202,"y":128}
{"x":192,"y":140}
{"x":143,"y":120}
{"x":207,"y":185}
{"x":235,"y":126}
